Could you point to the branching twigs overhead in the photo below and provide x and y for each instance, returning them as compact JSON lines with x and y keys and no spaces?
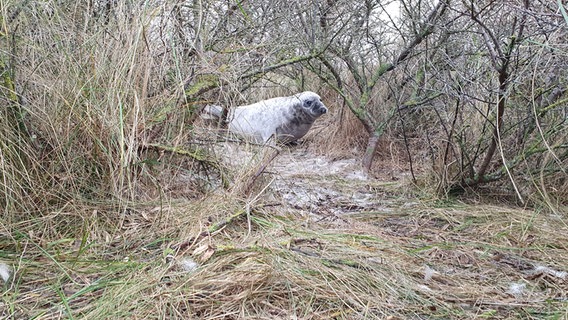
{"x":500,"y":58}
{"x":367,"y":84}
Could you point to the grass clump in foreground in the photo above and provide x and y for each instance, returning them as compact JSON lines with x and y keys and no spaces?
{"x":269,"y":262}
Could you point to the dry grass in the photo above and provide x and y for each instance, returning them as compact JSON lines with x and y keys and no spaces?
{"x":338,"y":134}
{"x":386,"y":256}
{"x":110,"y":197}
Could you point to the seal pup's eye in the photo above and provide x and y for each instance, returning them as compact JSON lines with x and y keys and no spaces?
{"x":309,"y":103}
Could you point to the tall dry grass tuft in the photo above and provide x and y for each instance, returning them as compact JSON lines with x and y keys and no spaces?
{"x":81,"y":151}
{"x":84,"y":83}
{"x":338,"y":134}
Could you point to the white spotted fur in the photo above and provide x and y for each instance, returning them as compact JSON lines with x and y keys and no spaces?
{"x":287,"y":118}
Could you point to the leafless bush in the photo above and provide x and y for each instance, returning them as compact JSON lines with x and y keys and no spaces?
{"x":477,"y":91}
{"x":474,"y":82}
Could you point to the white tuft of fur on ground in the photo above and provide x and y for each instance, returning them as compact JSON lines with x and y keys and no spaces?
{"x":188,"y":265}
{"x":5,"y":271}
{"x":516,"y":289}
{"x":429,"y":273}
{"x":550,"y":271}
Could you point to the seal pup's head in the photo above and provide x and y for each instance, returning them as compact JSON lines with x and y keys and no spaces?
{"x":311,"y":103}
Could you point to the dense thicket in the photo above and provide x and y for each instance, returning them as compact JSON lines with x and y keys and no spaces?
{"x":474,"y":90}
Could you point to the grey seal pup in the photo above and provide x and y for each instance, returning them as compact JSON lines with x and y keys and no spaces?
{"x":287,"y":119}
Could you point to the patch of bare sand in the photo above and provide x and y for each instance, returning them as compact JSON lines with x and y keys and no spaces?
{"x":325,"y":189}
